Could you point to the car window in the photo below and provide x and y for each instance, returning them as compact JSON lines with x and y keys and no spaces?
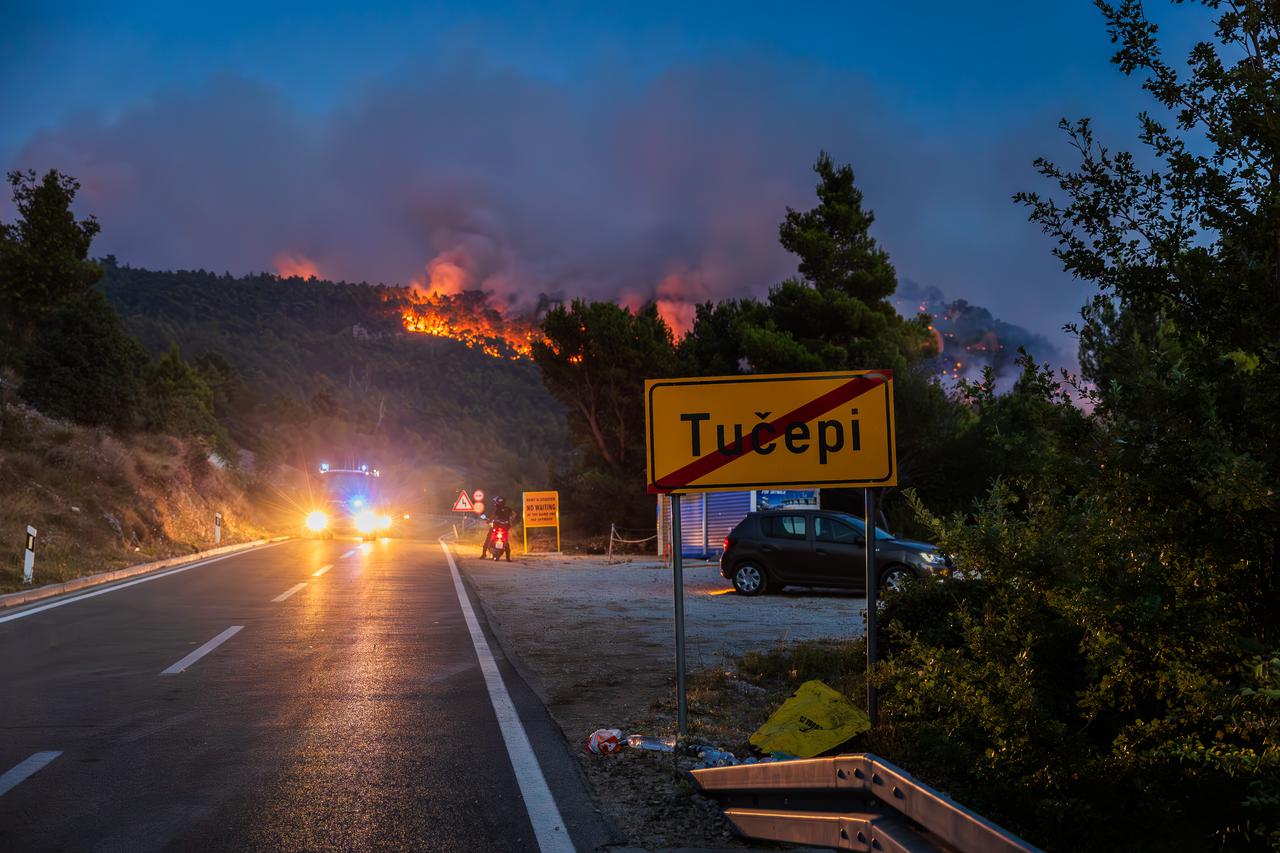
{"x":783,"y":526}
{"x":861,"y":526}
{"x":830,"y":530}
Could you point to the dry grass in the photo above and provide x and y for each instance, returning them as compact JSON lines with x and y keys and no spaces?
{"x":842,"y":664}
{"x":102,"y":502}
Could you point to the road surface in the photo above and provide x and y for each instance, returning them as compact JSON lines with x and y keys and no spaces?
{"x":262,"y":701}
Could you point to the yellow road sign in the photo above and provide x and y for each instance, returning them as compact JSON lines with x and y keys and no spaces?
{"x":541,"y":509}
{"x":724,"y":433}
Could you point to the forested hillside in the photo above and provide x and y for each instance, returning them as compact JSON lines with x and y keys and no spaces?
{"x":303,"y":370}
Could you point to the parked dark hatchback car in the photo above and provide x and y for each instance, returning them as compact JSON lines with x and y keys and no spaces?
{"x":790,"y":547}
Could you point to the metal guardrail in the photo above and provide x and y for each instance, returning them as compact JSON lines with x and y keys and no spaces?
{"x":850,"y":802}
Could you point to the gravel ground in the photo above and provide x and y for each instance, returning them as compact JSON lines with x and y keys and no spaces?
{"x":596,"y":641}
{"x":599,"y":639}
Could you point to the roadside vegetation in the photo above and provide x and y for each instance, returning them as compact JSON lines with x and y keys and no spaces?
{"x":114,"y":456}
{"x":102,"y":500}
{"x":1113,"y":676}
{"x":73,"y":359}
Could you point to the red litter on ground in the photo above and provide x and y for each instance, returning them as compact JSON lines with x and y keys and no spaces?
{"x":604,"y":741}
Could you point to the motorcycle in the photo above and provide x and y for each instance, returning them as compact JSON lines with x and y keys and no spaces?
{"x":500,"y":536}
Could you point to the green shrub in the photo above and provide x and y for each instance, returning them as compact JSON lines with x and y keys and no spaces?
{"x":82,"y":366}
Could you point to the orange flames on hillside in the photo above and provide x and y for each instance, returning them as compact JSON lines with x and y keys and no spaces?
{"x":481,"y":321}
{"x":451,"y":301}
{"x":469,"y":317}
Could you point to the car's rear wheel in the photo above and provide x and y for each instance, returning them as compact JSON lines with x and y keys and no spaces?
{"x":749,"y":579}
{"x":896,"y":578}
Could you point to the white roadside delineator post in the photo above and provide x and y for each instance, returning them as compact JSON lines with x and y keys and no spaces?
{"x":217,"y":528}
{"x":29,"y":557}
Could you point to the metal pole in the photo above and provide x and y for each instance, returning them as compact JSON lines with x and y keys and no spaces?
{"x":217,"y":528}
{"x":677,"y":566}
{"x":869,"y":509}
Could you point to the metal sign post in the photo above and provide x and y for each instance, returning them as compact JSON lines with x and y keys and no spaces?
{"x":217,"y":528}
{"x":677,"y":568}
{"x":869,"y":508}
{"x":29,"y":556}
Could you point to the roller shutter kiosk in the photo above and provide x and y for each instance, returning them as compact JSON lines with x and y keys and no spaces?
{"x":724,"y":511}
{"x":705,"y":520}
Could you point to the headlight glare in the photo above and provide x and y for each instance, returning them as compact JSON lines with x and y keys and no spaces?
{"x":317,"y":521}
{"x":366,"y":521}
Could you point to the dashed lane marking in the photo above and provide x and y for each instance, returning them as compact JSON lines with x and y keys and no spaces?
{"x":25,"y":770}
{"x":187,"y":661}
{"x":318,"y":572}
{"x":290,"y":591}
{"x":350,"y":553}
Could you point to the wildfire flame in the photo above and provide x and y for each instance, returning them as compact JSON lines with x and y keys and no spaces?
{"x":471,"y":318}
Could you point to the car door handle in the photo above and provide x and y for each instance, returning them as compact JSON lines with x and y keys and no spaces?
{"x":768,"y":548}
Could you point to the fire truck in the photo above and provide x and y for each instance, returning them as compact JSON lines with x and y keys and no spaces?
{"x":349,"y":501}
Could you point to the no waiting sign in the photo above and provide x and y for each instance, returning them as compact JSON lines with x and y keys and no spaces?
{"x":724,"y":433}
{"x":541,"y":509}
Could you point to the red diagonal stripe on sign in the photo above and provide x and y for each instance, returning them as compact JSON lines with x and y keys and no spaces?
{"x":704,"y":465}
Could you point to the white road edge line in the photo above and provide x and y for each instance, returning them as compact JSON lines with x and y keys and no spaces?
{"x":25,"y":769}
{"x":181,"y":665}
{"x":290,"y":591}
{"x":318,"y":572}
{"x":145,"y":579}
{"x":548,"y":826}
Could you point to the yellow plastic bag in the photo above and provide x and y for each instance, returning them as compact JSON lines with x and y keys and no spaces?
{"x":815,"y":719}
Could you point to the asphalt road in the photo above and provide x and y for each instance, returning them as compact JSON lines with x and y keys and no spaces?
{"x":350,"y":714}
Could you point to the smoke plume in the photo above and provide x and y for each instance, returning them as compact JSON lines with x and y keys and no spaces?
{"x":462,"y":177}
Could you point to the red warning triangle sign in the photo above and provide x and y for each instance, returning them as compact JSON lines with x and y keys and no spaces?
{"x":463,"y":503}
